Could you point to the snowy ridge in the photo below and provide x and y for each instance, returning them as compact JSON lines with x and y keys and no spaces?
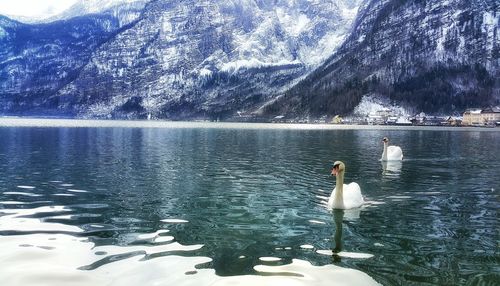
{"x":233,"y":67}
{"x":94,"y":6}
{"x":84,"y":7}
{"x":293,"y":24}
{"x":372,"y":104}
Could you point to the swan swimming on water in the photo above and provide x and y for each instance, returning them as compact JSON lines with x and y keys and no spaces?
{"x":344,"y":196}
{"x":391,"y":153}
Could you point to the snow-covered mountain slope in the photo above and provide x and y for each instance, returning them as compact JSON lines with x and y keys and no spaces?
{"x":77,"y":8}
{"x":433,"y":56}
{"x":37,"y":60}
{"x":82,"y":7}
{"x":126,"y":11}
{"x":206,"y":58}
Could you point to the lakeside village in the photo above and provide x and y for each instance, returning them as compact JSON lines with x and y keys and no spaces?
{"x":477,"y":117}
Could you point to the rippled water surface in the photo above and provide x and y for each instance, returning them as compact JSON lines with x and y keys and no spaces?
{"x":202,"y":205}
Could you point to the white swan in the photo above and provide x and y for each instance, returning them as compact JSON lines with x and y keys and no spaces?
{"x":391,"y":153}
{"x":344,"y":196}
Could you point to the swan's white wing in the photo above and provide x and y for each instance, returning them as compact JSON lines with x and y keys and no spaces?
{"x":352,"y":196}
{"x":330,"y":200}
{"x":394,"y":153}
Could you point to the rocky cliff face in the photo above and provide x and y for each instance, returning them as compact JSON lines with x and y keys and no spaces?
{"x":185,"y":59}
{"x":36,"y":61}
{"x":429,"y":55}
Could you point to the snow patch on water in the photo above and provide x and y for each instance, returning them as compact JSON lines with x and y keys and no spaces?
{"x":316,"y":221}
{"x":346,"y":254}
{"x":12,"y":203}
{"x":269,"y":259}
{"x":161,"y":239}
{"x":399,"y":197}
{"x":77,"y":191}
{"x":26,"y":187}
{"x":174,"y":220}
{"x":20,"y":220}
{"x":63,"y":195}
{"x":22,"y":194}
{"x":152,"y":235}
{"x":59,"y":259}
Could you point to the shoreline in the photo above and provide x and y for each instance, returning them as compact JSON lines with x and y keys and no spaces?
{"x":104,"y":123}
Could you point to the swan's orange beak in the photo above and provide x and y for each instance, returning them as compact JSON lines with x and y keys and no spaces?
{"x":334,"y":171}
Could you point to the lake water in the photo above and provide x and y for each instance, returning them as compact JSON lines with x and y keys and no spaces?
{"x":134,"y":203}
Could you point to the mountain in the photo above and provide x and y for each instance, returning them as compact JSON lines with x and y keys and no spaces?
{"x":126,"y":11}
{"x":426,"y":55}
{"x":187,"y":59}
{"x":78,"y":8}
{"x":236,"y":58}
{"x":37,"y":60}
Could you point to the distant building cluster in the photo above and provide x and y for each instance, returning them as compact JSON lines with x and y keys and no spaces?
{"x":489,"y":117}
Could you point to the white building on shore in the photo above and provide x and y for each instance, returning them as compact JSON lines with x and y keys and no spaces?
{"x":481,"y":117}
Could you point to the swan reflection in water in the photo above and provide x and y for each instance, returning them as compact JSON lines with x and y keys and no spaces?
{"x":338,"y":217}
{"x":391,"y":168}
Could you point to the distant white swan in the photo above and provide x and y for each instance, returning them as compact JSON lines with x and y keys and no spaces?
{"x":391,"y":153}
{"x":344,"y":196}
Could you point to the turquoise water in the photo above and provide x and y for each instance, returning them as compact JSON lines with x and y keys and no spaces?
{"x":244,"y":195}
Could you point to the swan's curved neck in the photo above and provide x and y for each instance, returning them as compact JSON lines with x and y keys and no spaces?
{"x":339,"y":185}
{"x":384,"y":154}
